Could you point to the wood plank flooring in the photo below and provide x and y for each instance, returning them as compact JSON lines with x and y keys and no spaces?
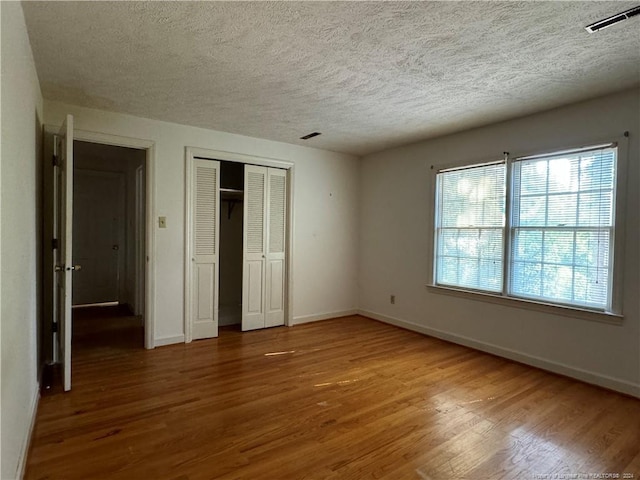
{"x":349,"y":398}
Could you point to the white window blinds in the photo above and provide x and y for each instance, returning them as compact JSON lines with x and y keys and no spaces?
{"x":562,"y":227}
{"x":469,"y":230}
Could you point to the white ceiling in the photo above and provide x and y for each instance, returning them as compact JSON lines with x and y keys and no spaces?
{"x":368,"y":75}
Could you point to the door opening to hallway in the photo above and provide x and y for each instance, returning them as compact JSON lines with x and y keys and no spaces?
{"x":97,"y":240}
{"x":108,"y":240}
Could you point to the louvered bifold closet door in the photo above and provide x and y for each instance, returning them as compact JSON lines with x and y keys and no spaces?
{"x":254,"y":243}
{"x":205,"y":226}
{"x":276,"y":215}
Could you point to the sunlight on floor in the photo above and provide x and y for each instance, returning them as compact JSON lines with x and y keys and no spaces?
{"x":272,"y":354}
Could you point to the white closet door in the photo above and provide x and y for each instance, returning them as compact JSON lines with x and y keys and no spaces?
{"x":253,"y":273}
{"x":205,"y":242}
{"x":276,"y":214}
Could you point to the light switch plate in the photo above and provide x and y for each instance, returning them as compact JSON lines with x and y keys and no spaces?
{"x":162,"y":222}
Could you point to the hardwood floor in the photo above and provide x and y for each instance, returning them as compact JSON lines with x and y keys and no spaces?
{"x":349,"y":398}
{"x":100,"y":331}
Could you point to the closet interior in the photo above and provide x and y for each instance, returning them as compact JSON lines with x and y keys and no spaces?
{"x":231,"y":226}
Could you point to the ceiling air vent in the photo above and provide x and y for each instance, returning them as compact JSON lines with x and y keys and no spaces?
{"x":310,"y":135}
{"x":612,"y":20}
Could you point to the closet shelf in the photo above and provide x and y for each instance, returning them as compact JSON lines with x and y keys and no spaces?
{"x":231,"y":196}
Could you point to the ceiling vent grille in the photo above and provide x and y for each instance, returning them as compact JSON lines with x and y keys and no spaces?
{"x":612,"y":20}
{"x":310,"y":135}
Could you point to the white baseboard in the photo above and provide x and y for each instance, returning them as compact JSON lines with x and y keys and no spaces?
{"x":24,"y":450}
{"x":323,"y":316}
{"x":605,"y":381}
{"x":160,"y":342}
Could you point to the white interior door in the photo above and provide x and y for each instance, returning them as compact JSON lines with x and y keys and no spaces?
{"x":254,"y":251}
{"x":63,"y":227}
{"x":98,"y":235}
{"x":205,"y":226}
{"x":275,"y":249}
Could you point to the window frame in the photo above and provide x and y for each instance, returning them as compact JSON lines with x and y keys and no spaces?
{"x":613,"y":315}
{"x":436,"y":219}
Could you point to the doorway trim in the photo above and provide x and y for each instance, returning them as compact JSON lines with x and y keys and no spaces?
{"x":191,"y":153}
{"x":149,"y":277}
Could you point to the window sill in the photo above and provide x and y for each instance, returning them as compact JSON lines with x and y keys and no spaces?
{"x":566,"y":311}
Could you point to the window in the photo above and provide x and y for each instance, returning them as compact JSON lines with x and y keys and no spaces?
{"x":559,"y":230}
{"x":470,"y":227}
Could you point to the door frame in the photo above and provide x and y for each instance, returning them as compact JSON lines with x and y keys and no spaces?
{"x":149,"y":277}
{"x":191,"y":153}
{"x":139,"y":236}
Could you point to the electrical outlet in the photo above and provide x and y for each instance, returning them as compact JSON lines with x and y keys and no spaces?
{"x":392,"y":299}
{"x":162,"y":222}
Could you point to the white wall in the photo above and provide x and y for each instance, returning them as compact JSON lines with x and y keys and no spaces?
{"x":395,"y":200}
{"x":326,"y":210}
{"x":20,"y":255}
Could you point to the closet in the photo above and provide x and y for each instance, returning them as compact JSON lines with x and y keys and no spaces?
{"x":238,"y":219}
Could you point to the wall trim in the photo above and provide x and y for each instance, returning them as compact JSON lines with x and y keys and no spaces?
{"x":316,"y":317}
{"x":162,"y":341}
{"x":26,"y":443}
{"x":586,"y":376}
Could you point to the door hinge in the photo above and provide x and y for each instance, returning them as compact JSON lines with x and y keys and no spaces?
{"x":55,"y":160}
{"x":54,"y":243}
{"x":54,"y":327}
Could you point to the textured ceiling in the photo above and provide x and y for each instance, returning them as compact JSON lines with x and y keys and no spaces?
{"x":368,"y":75}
